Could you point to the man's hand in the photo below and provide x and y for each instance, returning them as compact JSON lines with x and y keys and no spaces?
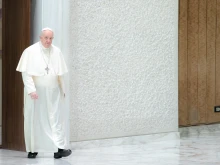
{"x":34,"y":95}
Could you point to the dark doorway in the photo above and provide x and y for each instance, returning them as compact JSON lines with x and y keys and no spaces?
{"x":16,"y":37}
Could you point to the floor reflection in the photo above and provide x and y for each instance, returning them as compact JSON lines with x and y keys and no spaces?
{"x":193,"y":148}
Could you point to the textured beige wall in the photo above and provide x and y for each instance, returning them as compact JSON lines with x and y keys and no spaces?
{"x":122,"y":58}
{"x":123,"y":68}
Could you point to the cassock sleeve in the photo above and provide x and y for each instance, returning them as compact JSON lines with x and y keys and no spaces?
{"x":61,"y":67}
{"x":62,"y":85}
{"x":28,"y":82}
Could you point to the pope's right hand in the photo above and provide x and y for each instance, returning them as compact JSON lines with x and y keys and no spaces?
{"x":34,"y":95}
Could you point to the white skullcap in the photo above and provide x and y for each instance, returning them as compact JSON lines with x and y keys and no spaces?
{"x":46,"y":28}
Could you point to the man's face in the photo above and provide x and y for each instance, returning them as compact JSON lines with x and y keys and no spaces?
{"x":46,"y":38}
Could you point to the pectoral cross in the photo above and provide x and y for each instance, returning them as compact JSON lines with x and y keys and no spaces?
{"x":47,"y":69}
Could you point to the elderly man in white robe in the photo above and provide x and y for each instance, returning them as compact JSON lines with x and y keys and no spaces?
{"x":45,"y":116}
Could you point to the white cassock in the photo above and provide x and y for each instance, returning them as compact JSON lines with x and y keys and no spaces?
{"x":46,"y":119}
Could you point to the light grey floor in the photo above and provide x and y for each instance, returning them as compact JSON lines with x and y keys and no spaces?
{"x":201,"y":148}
